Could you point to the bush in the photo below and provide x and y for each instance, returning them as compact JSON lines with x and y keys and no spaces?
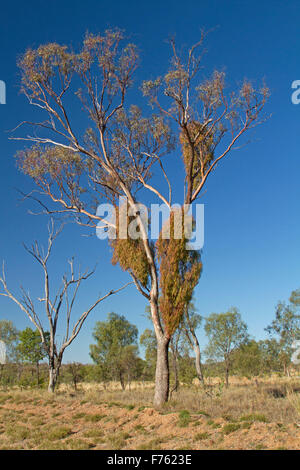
{"x":184,"y":418}
{"x":254,"y":417}
{"x":230,"y":427}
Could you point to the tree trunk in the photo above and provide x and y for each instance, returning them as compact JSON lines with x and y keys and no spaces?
{"x":19,"y":373}
{"x":227,"y":375}
{"x":161,"y":394}
{"x":122,"y":381}
{"x":38,"y":374}
{"x":198,"y":362}
{"x":175,"y":368}
{"x":52,"y":380}
{"x":129,"y":381}
{"x":53,"y":375}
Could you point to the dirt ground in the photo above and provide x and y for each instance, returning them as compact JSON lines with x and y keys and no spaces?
{"x":90,"y":420}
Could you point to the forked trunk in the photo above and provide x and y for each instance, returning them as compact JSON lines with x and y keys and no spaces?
{"x":52,"y":380}
{"x":161,"y":394}
{"x":53,"y":375}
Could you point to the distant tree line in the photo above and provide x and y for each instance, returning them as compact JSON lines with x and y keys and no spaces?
{"x":115,"y":352}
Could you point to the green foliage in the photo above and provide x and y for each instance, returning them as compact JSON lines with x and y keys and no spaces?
{"x":248,"y":359}
{"x":186,"y":368}
{"x":39,"y":162}
{"x":184,"y":418}
{"x":230,"y":427}
{"x":148,"y":341}
{"x":254,"y":417}
{"x":30,"y":347}
{"x":285,"y":328}
{"x":74,"y":373}
{"x":271,"y":357}
{"x":60,"y":432}
{"x":226,"y":332}
{"x":201,"y":436}
{"x":115,"y":351}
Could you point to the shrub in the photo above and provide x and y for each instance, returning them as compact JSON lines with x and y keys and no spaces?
{"x":201,"y":435}
{"x":59,"y":433}
{"x":184,"y":418}
{"x":230,"y":427}
{"x":254,"y":417}
{"x":94,"y":418}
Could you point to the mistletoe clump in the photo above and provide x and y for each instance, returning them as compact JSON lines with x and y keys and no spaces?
{"x":129,"y":253}
{"x":197,"y":150}
{"x":180,"y":270}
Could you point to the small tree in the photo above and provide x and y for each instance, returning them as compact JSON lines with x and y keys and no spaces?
{"x":149,"y":343}
{"x":31,"y":348}
{"x":285,"y":328}
{"x":75,"y":371}
{"x":61,"y":302}
{"x":226,"y":332}
{"x":271,"y":358}
{"x":131,"y":363}
{"x":248,"y":359}
{"x":115,"y":348}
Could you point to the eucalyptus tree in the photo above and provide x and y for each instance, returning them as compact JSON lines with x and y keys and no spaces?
{"x":118,"y":150}
{"x":115,"y":351}
{"x":31,"y":348}
{"x":226,"y":333}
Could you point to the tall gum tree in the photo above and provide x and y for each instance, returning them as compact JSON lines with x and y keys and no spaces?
{"x":121,"y":149}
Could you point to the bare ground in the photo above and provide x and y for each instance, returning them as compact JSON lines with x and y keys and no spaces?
{"x":249,"y":415}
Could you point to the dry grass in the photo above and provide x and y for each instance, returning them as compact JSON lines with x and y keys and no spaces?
{"x":247,"y":415}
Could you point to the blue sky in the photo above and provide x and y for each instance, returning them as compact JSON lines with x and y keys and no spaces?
{"x":251,"y":254}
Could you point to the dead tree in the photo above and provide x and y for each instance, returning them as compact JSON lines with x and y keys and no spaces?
{"x":56,"y":306}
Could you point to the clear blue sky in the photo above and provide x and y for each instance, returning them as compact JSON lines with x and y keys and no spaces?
{"x":252,"y":226}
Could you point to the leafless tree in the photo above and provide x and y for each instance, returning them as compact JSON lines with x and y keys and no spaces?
{"x":55,"y":307}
